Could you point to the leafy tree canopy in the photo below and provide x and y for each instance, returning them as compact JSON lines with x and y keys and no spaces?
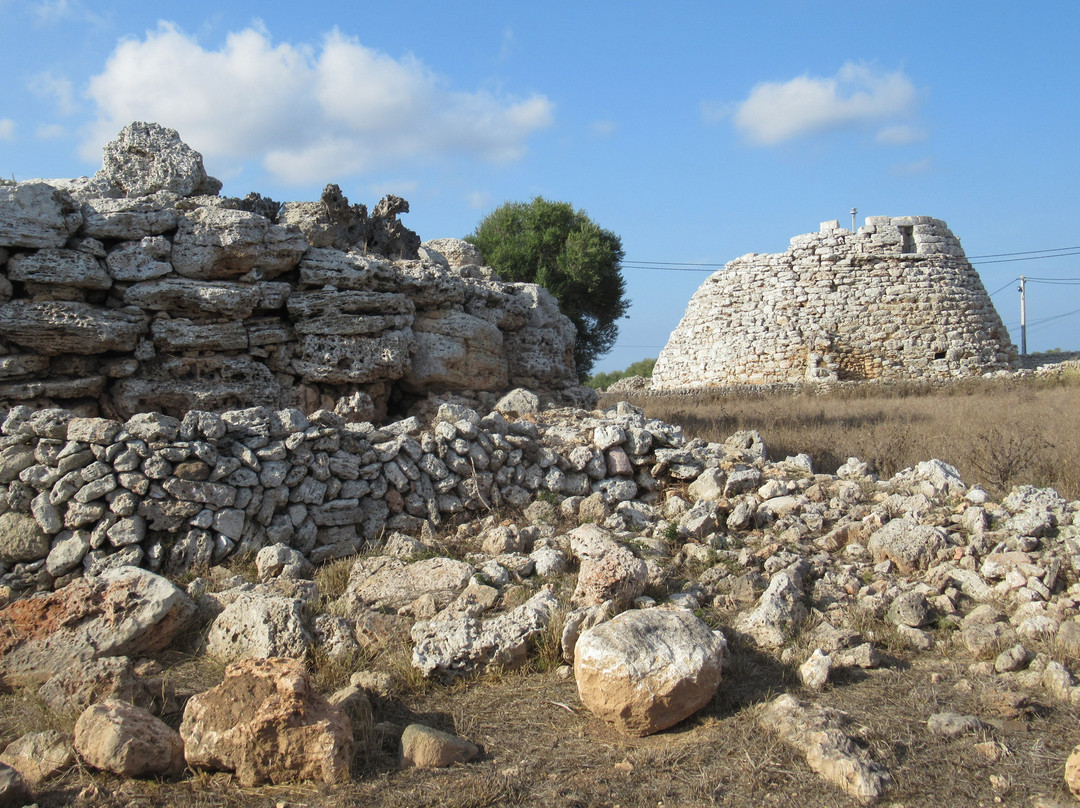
{"x":564,"y":251}
{"x":602,"y":381}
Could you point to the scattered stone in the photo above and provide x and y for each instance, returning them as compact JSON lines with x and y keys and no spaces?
{"x":1072,"y":772}
{"x":459,"y":644}
{"x":908,"y":544}
{"x":39,"y":756}
{"x":13,"y":790}
{"x":117,"y":737}
{"x":952,"y":724}
{"x":819,"y":734}
{"x":124,"y":611}
{"x":426,"y":748}
{"x":259,"y":624}
{"x":778,"y":613}
{"x":645,"y":671}
{"x":814,"y":673}
{"x":265,"y":724}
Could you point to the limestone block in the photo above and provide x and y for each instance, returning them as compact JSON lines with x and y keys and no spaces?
{"x":261,"y":625}
{"x":123,"y":739}
{"x":396,"y":585}
{"x":464,"y":642}
{"x":37,"y":756}
{"x":130,"y":219}
{"x":36,"y":215}
{"x":60,"y":267}
{"x":456,"y":351}
{"x":348,"y":313}
{"x":181,"y":334}
{"x":819,"y":734}
{"x":219,"y":244}
{"x":908,"y":544}
{"x":193,"y":298}
{"x":212,"y":383}
{"x":55,"y":327}
{"x":124,"y":611}
{"x":147,"y":158}
{"x":135,"y":261}
{"x":344,"y":360}
{"x":458,"y":253}
{"x":426,"y":748}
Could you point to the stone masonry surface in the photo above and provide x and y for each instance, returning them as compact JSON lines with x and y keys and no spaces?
{"x":895,"y":300}
{"x":141,"y":290}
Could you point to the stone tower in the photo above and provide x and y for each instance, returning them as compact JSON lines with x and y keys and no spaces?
{"x":897,"y":299}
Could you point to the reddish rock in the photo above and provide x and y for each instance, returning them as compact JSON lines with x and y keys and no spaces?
{"x":125,"y":611}
{"x":265,"y":724}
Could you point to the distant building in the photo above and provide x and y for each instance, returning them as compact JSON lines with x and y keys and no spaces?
{"x":897,"y":299}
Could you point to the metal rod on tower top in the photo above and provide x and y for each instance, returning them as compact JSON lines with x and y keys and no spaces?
{"x":1023,"y":316}
{"x":853,"y":212}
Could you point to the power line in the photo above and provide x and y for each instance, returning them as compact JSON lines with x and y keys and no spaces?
{"x":1024,"y":252}
{"x":1030,"y":258}
{"x":712,"y":266}
{"x":1006,"y":286}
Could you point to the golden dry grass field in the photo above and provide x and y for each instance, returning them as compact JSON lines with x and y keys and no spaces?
{"x":996,"y":432}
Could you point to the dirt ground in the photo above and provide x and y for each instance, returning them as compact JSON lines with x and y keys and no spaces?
{"x":541,"y":747}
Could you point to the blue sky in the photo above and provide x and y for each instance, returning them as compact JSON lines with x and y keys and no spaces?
{"x":698,"y":132}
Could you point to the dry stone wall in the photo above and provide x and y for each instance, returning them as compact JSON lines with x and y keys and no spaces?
{"x":83,"y":495}
{"x":141,"y":290}
{"x":897,"y":299}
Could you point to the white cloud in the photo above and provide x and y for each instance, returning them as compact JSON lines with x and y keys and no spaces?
{"x":52,"y":10}
{"x":478,"y":200}
{"x":508,"y":44}
{"x":603,"y":128}
{"x":50,"y":131}
{"x":900,"y":135}
{"x":49,"y":12}
{"x":308,"y":113}
{"x":916,"y":167}
{"x":714,"y":112}
{"x":7,"y":129}
{"x":859,"y":94}
{"x":57,"y":88}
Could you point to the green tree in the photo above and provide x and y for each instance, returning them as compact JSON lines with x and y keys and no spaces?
{"x":564,"y":251}
{"x":602,"y":381}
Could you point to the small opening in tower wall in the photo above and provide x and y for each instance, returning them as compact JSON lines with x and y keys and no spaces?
{"x":907,"y":238}
{"x":939,"y":354}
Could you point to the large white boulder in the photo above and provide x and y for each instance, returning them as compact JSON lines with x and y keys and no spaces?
{"x":645,"y":671}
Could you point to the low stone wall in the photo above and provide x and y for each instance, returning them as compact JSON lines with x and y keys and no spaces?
{"x":81,"y":495}
{"x":895,"y":300}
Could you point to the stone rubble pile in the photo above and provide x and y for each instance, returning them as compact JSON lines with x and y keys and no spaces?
{"x":789,"y":560}
{"x":140,"y":289}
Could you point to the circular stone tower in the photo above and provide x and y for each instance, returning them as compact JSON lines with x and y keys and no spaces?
{"x":897,"y":299}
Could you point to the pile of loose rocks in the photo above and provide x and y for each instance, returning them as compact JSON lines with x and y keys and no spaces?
{"x":607,"y":530}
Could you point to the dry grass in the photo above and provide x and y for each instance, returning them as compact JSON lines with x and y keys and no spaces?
{"x":996,"y":432}
{"x":541,"y":747}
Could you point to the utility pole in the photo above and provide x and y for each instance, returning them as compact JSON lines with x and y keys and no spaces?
{"x":853,"y":212}
{"x":1023,"y":316}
